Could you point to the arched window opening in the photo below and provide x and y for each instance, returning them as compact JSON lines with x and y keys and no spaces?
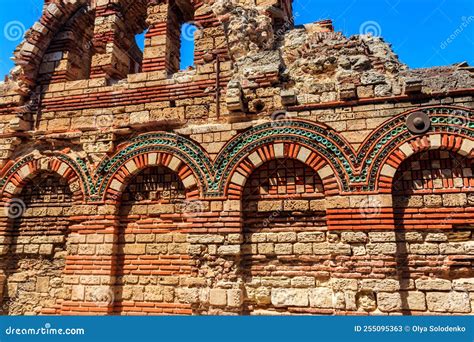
{"x":187,"y":45}
{"x":136,"y":53}
{"x":69,"y":55}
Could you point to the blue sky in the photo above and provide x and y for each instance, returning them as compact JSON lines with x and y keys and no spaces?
{"x":418,"y":29}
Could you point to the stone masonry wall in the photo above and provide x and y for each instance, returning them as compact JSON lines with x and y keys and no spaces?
{"x":291,"y":170}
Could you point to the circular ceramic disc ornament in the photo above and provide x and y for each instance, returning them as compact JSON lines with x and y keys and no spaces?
{"x":418,"y":122}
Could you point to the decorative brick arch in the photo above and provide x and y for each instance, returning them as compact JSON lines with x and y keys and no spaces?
{"x":136,"y":164}
{"x":316,"y":145}
{"x":281,"y":150}
{"x":30,"y":166}
{"x":463,"y":146}
{"x":29,"y":54}
{"x":451,"y":127}
{"x":177,"y":153}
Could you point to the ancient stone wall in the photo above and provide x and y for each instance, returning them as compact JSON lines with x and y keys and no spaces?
{"x":292,"y":170}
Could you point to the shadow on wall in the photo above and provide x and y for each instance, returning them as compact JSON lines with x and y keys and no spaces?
{"x":431,"y":196}
{"x":34,"y":267}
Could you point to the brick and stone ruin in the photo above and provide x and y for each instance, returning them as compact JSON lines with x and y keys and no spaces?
{"x":292,"y":170}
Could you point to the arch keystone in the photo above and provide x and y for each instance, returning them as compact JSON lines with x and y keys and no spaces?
{"x":435,"y":141}
{"x":279,"y":150}
{"x":152,"y":158}
{"x":44,"y":164}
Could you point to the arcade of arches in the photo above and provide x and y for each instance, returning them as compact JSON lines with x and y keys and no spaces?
{"x":291,"y":170}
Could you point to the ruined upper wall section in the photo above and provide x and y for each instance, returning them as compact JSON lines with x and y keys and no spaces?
{"x":259,"y":48}
{"x":327,"y":66}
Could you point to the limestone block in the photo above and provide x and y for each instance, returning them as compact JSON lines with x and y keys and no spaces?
{"x":258,"y":237}
{"x":358,"y":250}
{"x":424,"y":248}
{"x":436,"y":237}
{"x":234,"y":298}
{"x":287,"y":237}
{"x":137,"y":249}
{"x":303,"y":281}
{"x":411,"y":237}
{"x":452,"y":248}
{"x":453,"y":302}
{"x":164,"y":238}
{"x":366,"y":301}
{"x":46,"y":249}
{"x":354,"y":237}
{"x":382,"y":237}
{"x":343,"y":284}
{"x":289,"y":297}
{"x":42,"y":284}
{"x":318,"y":205}
{"x":433,"y":201}
{"x":153,"y":293}
{"x":263,"y":296}
{"x":433,"y":284}
{"x":275,"y":282}
{"x":205,"y":239}
{"x":454,"y":200}
{"x":188,"y":295}
{"x":342,"y":249}
{"x":323,"y":248}
{"x":266,"y":248}
{"x":295,"y":205}
{"x":303,"y":248}
{"x":283,"y":248}
{"x":218,"y":297}
{"x":178,"y":248}
{"x":389,"y":302}
{"x":232,"y":205}
{"x":158,"y":248}
{"x":270,"y":206}
{"x":78,"y":292}
{"x":321,"y":298}
{"x":229,"y":250}
{"x":381,"y":248}
{"x":380,"y":285}
{"x":463,"y":284}
{"x":413,"y":300}
{"x":311,"y":237}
